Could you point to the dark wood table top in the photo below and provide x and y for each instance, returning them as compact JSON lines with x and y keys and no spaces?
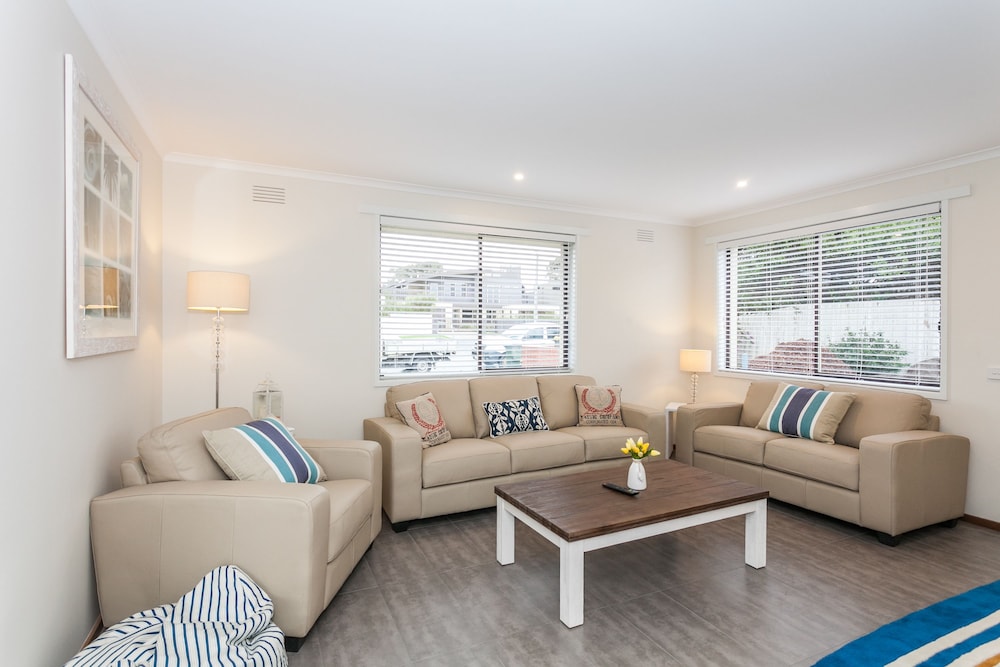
{"x":576,"y":506}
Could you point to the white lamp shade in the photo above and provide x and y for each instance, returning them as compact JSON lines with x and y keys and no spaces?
{"x":696,"y":361}
{"x":218,"y":290}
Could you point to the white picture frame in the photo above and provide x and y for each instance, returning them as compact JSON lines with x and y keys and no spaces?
{"x":102,"y":224}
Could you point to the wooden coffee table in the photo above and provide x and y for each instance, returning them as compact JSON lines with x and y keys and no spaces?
{"x":578,"y":515}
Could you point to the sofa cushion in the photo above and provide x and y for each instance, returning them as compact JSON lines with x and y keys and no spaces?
{"x":524,"y":414}
{"x":604,"y":442}
{"x":758,"y":398}
{"x":176,"y":451}
{"x":350,"y":506}
{"x":600,"y":406}
{"x":495,"y":389}
{"x":739,"y":443}
{"x":542,"y":450}
{"x":558,"y":396}
{"x":262,"y":450}
{"x":832,"y":464}
{"x":803,"y":412}
{"x":452,"y":397}
{"x":423,"y":416}
{"x":875,"y":412}
{"x":464,"y":459}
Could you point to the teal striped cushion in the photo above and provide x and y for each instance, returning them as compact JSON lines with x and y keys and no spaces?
{"x":801,"y":412}
{"x":262,"y":450}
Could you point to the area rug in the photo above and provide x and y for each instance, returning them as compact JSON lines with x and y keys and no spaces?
{"x":960,"y":631}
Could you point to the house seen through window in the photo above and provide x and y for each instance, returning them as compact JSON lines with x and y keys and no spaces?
{"x":463,"y":300}
{"x":856,"y":300}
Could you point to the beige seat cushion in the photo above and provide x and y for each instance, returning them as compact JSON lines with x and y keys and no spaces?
{"x":464,"y":459}
{"x":451,"y":396}
{"x":176,"y":450}
{"x":739,"y":443}
{"x":832,"y":464}
{"x":605,"y":442}
{"x":496,"y":389}
{"x":540,"y":450}
{"x":558,"y":394}
{"x":350,"y":507}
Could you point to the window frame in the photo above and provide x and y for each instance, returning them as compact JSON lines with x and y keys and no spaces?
{"x":486,"y":233}
{"x":815,"y":226}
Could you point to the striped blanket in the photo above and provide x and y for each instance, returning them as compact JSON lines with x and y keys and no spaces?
{"x":224,"y":620}
{"x":963,"y":631}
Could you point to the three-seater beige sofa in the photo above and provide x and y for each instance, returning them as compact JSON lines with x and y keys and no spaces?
{"x":459,"y":475}
{"x":889,"y":469}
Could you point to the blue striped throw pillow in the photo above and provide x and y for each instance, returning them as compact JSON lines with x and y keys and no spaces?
{"x":800,"y":412}
{"x":262,"y":450}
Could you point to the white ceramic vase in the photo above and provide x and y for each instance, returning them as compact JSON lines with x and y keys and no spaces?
{"x":636,"y":476}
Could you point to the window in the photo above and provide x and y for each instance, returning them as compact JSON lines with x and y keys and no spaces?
{"x":464,"y":300}
{"x":857,"y":300}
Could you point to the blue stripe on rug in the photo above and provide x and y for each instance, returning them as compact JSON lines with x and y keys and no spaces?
{"x":925,"y":627}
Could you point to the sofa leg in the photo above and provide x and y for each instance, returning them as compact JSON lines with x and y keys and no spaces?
{"x":293,"y":644}
{"x":887,"y":539}
{"x":950,"y":523}
{"x":400,"y":527}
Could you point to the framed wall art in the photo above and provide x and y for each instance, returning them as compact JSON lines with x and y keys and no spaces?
{"x":102,"y":224}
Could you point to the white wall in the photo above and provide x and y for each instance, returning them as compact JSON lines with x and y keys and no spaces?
{"x":69,"y":422}
{"x":972,"y":319}
{"x":312,"y":320}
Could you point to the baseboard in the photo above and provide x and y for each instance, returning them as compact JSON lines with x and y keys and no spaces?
{"x":979,"y":521}
{"x":94,"y":632}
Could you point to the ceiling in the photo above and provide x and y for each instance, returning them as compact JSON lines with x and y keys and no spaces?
{"x":643,"y":109}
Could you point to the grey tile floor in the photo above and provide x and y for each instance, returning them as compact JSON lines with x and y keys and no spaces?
{"x":435,"y":595}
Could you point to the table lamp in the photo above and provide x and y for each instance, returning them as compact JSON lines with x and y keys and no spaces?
{"x":694,"y":362}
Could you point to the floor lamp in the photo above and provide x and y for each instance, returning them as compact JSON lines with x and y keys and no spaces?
{"x":221,"y":292}
{"x":694,"y":362}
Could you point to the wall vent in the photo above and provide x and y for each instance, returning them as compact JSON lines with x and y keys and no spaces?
{"x":266,"y":194}
{"x":645,"y":236}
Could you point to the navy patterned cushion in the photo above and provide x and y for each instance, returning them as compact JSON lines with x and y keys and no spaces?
{"x":515,"y":416}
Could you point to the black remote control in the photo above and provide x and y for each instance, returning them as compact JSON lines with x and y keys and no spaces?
{"x":621,"y":489}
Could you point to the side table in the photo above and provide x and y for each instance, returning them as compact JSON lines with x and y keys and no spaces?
{"x":670,"y":414}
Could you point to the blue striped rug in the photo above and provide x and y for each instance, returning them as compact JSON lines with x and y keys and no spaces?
{"x":963,"y":631}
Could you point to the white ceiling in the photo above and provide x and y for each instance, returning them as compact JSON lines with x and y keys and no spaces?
{"x":646,"y":109}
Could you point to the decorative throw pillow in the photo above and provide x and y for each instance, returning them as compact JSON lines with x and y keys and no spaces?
{"x":806,"y":413}
{"x":600,"y":406}
{"x":422,"y":415}
{"x":262,"y":450}
{"x":515,"y":416}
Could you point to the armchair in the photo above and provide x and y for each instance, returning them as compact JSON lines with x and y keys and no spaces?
{"x":179,"y":516}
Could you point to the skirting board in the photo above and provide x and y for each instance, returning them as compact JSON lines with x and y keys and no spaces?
{"x":986,"y":523}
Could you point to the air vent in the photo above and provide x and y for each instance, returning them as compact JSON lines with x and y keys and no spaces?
{"x":265,"y":194}
{"x":645,"y":236}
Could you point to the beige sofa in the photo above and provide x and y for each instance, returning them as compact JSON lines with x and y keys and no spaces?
{"x":179,"y":517}
{"x":889,"y":470}
{"x":459,"y":475}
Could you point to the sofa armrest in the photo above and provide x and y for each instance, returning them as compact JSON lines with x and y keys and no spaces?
{"x":153,"y":542}
{"x":402,"y":467}
{"x":912,"y":479}
{"x":692,"y":416}
{"x":650,"y":420}
{"x":351,"y":459}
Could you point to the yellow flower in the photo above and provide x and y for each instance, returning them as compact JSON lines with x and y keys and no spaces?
{"x":654,"y":453}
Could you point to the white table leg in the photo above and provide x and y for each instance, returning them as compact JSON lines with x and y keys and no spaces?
{"x":756,"y":536}
{"x":505,"y":533}
{"x":571,"y":584}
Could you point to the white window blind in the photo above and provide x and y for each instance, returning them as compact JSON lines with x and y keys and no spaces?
{"x":856,"y":300}
{"x":464,"y":300}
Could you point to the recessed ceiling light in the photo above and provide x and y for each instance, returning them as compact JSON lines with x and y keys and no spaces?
{"x":518,"y":176}
{"x":742,"y":183}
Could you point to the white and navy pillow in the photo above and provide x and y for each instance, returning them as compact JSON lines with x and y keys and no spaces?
{"x":262,"y":450}
{"x":801,"y":412}
{"x":515,"y":416}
